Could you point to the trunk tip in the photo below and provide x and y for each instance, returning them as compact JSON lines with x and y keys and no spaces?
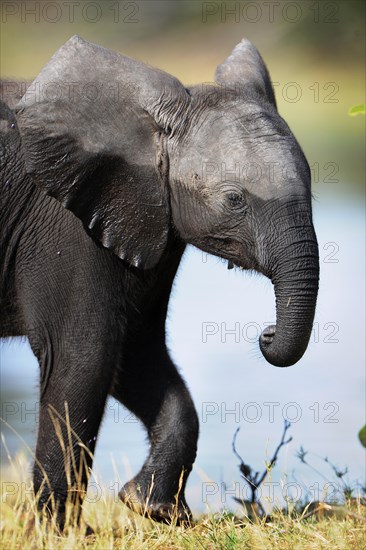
{"x":272,"y":353}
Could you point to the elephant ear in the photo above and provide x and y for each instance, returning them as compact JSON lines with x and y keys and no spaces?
{"x":92,"y":127}
{"x":245,"y":67}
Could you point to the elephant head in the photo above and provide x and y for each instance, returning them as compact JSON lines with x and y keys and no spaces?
{"x":137,"y":157}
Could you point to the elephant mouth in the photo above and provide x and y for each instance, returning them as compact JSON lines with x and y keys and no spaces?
{"x":248,"y":266}
{"x":236,"y":255}
{"x":231,"y":265}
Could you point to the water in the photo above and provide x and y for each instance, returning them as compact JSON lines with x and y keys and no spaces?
{"x":231,"y":383}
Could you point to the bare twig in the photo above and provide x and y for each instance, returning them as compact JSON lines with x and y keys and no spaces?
{"x":273,"y":461}
{"x":251,"y":477}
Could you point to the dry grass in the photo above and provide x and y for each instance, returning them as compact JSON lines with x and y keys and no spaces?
{"x":117,"y":527}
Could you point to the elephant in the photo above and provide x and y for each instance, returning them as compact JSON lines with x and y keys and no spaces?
{"x":110,"y":169}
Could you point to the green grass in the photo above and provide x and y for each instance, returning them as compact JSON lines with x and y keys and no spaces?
{"x":116,"y":527}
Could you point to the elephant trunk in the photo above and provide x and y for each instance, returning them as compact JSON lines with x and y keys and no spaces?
{"x":295,"y":280}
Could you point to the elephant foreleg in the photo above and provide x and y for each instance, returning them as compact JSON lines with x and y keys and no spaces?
{"x":150,"y":386}
{"x":72,"y":406}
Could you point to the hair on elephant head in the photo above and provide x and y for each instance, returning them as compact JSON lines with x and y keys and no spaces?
{"x":136,"y":155}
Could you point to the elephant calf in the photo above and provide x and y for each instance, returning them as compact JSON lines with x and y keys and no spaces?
{"x":109,"y":168}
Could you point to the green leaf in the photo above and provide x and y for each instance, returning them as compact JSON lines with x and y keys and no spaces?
{"x":357,"y":110}
{"x":362,"y":435}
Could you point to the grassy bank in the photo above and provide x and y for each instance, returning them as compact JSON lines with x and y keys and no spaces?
{"x":116,"y":527}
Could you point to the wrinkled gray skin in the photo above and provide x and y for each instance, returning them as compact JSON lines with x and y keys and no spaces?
{"x":147,"y":165}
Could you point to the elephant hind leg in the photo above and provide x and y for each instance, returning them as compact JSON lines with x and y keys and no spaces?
{"x":151,"y":387}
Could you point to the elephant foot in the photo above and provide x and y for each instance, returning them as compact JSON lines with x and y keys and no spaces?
{"x":140,"y":498}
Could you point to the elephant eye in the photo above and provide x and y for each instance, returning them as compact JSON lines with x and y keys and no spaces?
{"x":235,"y":199}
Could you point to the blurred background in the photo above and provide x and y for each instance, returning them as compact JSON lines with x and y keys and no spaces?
{"x":315,"y":55}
